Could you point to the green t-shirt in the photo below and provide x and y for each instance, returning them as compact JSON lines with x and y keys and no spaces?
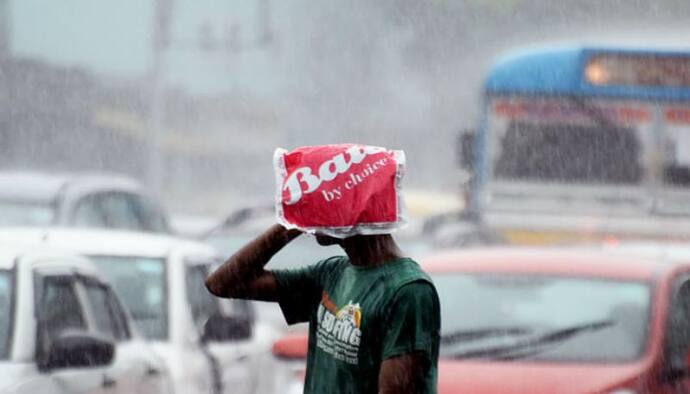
{"x":358,"y":317}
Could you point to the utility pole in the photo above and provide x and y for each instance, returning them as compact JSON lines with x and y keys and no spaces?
{"x":264,"y":22}
{"x":163,"y":14}
{"x":161,"y":42}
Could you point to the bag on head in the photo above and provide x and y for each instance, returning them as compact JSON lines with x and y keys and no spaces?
{"x":340,"y":190}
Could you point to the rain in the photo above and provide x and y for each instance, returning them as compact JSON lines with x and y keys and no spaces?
{"x":543,"y":189}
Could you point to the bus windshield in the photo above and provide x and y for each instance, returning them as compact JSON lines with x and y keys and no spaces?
{"x":589,"y":141}
{"x":562,"y":152}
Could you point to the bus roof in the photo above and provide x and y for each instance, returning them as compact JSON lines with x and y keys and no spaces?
{"x":560,"y":71}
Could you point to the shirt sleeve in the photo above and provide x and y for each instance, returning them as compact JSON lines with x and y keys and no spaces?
{"x":413,"y":322}
{"x":300,"y":290}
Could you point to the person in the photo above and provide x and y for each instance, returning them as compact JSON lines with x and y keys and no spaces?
{"x":374,"y":316}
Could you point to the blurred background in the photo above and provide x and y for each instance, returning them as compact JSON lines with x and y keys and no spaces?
{"x":161,"y":117}
{"x":192,"y":97}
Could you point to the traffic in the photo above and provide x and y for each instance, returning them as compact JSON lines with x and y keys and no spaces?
{"x":537,"y":317}
{"x":146,"y":247}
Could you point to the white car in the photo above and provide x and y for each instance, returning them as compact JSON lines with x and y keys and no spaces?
{"x":209,"y":346}
{"x":94,"y":200}
{"x":63,"y":330}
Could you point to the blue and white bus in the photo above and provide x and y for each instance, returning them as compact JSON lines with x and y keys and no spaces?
{"x":583,"y":143}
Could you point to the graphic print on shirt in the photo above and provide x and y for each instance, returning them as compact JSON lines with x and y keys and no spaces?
{"x":339,"y":330}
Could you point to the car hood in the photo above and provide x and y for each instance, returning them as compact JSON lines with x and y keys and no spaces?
{"x":482,"y":377}
{"x":10,"y":374}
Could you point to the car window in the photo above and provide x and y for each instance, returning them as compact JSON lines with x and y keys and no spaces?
{"x":120,"y":211}
{"x":59,"y":308}
{"x":101,"y":310}
{"x":242,"y":309}
{"x":678,"y":338}
{"x":118,"y":316}
{"x":202,"y":304}
{"x":6,"y":315}
{"x":150,"y":216}
{"x":140,"y":282}
{"x":88,"y":213}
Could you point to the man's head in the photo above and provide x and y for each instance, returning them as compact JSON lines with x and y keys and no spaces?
{"x":374,"y":247}
{"x":355,"y":241}
{"x":327,"y":240}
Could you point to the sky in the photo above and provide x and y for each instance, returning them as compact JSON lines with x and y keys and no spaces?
{"x":114,"y":39}
{"x":117,"y":43}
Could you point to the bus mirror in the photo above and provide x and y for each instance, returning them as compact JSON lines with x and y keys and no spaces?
{"x":465,"y":149}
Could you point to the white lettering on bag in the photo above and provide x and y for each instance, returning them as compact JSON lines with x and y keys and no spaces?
{"x":328,"y":170}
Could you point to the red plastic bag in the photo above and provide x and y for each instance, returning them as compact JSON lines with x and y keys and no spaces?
{"x":340,"y":190}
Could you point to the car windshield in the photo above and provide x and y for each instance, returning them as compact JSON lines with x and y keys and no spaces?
{"x":25,"y":213}
{"x":542,"y":318}
{"x":6,"y":315}
{"x":140,"y":283}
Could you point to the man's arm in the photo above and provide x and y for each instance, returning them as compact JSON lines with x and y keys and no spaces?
{"x":411,"y":339}
{"x":403,"y":374}
{"x":243,"y":274}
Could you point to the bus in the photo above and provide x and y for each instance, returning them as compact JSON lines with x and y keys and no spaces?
{"x":583,"y":143}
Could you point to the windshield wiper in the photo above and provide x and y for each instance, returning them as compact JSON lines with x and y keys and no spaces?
{"x":533,"y":345}
{"x":482,"y":333}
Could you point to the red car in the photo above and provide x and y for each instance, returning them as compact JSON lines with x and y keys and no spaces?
{"x":554,"y":321}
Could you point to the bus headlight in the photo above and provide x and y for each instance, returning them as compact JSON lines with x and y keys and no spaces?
{"x":596,"y":73}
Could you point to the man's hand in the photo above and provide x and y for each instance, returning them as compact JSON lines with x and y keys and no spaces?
{"x":403,"y":374}
{"x":243,"y":274}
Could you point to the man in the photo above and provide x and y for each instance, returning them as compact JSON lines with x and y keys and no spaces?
{"x":373,"y":316}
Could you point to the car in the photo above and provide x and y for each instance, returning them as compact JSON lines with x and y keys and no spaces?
{"x":209,"y":346}
{"x":460,"y":229}
{"x":97,"y":200}
{"x":553,"y":320}
{"x":64,"y":330}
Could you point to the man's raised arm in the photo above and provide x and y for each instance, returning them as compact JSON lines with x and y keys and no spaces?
{"x":243,"y":274}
